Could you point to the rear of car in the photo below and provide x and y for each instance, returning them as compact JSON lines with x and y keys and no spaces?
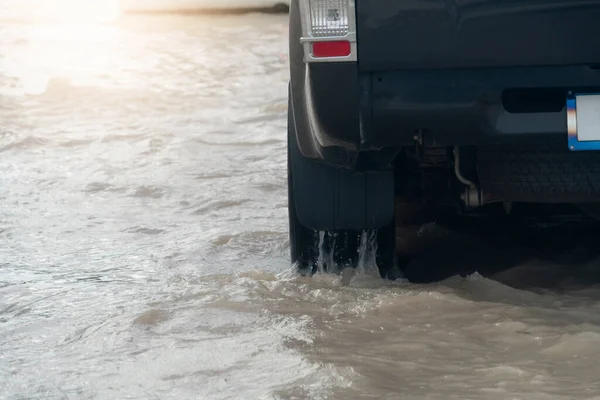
{"x":438,"y":105}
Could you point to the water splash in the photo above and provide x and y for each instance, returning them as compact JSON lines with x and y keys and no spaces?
{"x":322,"y":252}
{"x":334,"y":256}
{"x":367,"y":255}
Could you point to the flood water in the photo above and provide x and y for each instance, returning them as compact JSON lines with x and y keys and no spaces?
{"x":144,"y":252}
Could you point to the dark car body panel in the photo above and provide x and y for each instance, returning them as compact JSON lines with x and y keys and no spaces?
{"x":426,"y":34}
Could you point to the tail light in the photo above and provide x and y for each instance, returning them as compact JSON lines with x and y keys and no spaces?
{"x":328,"y":30}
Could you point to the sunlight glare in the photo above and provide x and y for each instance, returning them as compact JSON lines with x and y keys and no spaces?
{"x":81,"y":11}
{"x":71,"y":41}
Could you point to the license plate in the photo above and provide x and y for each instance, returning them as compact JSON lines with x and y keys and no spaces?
{"x":583,"y":121}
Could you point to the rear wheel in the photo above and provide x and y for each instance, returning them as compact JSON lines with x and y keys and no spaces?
{"x":303,"y":247}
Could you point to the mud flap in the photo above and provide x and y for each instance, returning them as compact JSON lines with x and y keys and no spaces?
{"x":330,"y":198}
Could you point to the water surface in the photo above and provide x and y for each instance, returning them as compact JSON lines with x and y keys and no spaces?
{"x":144,"y":240}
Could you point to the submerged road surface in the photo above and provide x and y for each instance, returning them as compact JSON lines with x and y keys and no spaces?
{"x":144,"y":253}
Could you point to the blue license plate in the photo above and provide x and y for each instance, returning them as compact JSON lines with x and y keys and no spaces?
{"x":583,"y":121}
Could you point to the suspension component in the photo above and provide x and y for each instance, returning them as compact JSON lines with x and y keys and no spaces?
{"x":472,"y":197}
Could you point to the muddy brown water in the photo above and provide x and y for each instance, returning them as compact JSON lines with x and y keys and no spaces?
{"x":144,"y":253}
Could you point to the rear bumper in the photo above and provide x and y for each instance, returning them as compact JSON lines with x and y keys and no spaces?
{"x":356,"y":112}
{"x":475,"y":106}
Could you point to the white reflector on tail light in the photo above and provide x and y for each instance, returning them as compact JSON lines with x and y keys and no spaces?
{"x":328,"y":21}
{"x":329,"y":18}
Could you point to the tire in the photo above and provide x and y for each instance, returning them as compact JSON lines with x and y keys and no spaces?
{"x":540,"y":172}
{"x":333,"y":250}
{"x":303,"y":241}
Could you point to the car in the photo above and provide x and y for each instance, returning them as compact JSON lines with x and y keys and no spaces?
{"x":402,"y":113}
{"x":151,"y":6}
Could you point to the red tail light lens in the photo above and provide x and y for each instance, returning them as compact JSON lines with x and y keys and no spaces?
{"x":339,"y":48}
{"x":328,"y":30}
